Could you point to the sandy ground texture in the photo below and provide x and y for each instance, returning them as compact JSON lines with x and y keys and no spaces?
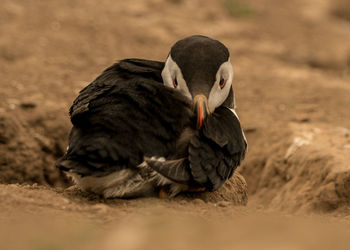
{"x":292,"y":85}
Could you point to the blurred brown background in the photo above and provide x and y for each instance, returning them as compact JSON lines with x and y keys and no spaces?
{"x":292,"y":84}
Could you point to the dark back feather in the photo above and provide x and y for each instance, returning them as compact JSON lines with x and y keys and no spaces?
{"x":217,"y":150}
{"x":122,"y":116}
{"x":212,"y":154}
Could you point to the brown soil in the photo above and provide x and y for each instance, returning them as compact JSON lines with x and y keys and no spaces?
{"x":292,"y":76}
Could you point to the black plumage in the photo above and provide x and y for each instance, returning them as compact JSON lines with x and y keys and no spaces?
{"x":123,"y":116}
{"x":132,"y":134}
{"x":213,"y":153}
{"x":217,"y":150}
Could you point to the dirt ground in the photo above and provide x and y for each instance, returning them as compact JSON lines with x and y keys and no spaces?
{"x":292,"y":86}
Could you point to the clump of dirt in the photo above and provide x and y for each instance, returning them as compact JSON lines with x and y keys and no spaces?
{"x":29,"y":147}
{"x":234,"y":191}
{"x":306,"y":170}
{"x":341,"y":9}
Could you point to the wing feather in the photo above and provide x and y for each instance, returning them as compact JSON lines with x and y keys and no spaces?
{"x":122,"y":116}
{"x":217,"y":150}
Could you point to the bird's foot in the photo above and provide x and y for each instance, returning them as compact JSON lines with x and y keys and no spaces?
{"x":196,"y":189}
{"x":163,"y":194}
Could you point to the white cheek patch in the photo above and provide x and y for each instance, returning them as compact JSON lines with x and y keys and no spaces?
{"x":170,"y":72}
{"x":217,"y":95}
{"x":166,"y":75}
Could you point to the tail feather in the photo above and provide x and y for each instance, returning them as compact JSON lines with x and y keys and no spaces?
{"x":72,"y":166}
{"x":175,"y":170}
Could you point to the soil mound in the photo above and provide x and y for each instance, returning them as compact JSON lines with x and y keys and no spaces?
{"x":306,"y":170}
{"x":29,"y":147}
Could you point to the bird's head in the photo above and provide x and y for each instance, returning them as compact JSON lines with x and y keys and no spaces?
{"x":199,"y":67}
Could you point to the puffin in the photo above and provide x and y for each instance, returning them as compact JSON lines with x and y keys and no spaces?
{"x":151,"y":128}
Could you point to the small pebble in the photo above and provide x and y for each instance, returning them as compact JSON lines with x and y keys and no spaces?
{"x":182,"y":202}
{"x":198,"y":201}
{"x":66,"y":201}
{"x":224,"y":204}
{"x":12,"y":106}
{"x":101,"y":208}
{"x":301,"y":117}
{"x":28,"y":105}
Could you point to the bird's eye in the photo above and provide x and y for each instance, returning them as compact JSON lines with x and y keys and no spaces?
{"x":175,"y":83}
{"x":222,"y":83}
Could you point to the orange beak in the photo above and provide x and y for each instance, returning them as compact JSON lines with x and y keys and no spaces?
{"x":201,"y":109}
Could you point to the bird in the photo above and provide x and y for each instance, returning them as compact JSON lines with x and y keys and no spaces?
{"x":146,"y":128}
